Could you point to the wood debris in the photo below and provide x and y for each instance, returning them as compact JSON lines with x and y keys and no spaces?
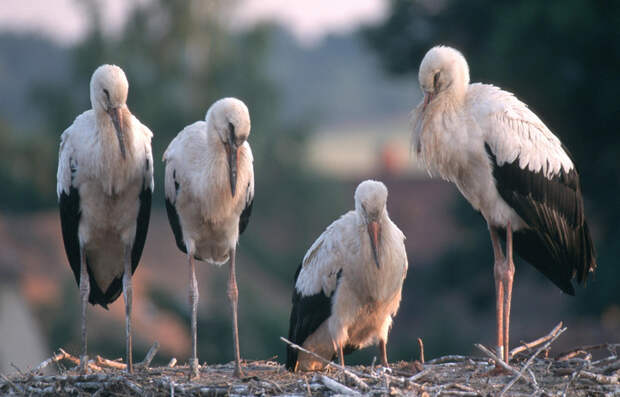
{"x":531,"y":373}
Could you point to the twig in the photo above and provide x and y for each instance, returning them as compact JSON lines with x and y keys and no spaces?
{"x":527,"y":346}
{"x":15,"y":387}
{"x":76,"y":361}
{"x":499,"y":361}
{"x":17,"y":369}
{"x":135,"y":388}
{"x":421,"y":347}
{"x":587,"y":356}
{"x":352,"y":375}
{"x":566,"y":355}
{"x":419,"y":375}
{"x":150,"y":355}
{"x":448,"y":359}
{"x":54,"y":359}
{"x":604,"y":379}
{"x":104,"y":362}
{"x":531,"y":359}
{"x":336,"y":386}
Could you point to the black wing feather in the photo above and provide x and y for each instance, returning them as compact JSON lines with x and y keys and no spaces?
{"x":558,"y":241}
{"x":173,"y":218}
{"x":308,"y":313}
{"x":245,"y":215}
{"x":142,"y":226}
{"x":69,"y":205}
{"x":70,"y":215}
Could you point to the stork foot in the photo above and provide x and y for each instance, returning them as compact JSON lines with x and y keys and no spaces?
{"x":194,"y":368}
{"x":238,"y":373}
{"x":84,"y":365}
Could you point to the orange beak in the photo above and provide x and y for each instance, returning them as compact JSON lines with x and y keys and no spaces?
{"x":374,"y":233}
{"x":116,"y":115}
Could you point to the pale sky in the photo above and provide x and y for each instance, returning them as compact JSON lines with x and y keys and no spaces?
{"x":309,"y":20}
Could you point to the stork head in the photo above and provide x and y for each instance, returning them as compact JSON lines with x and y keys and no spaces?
{"x":443,"y":69}
{"x":108,"y":94}
{"x":370,"y":200}
{"x":230,"y":119}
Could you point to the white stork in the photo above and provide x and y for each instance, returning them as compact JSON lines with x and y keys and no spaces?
{"x":105,"y":183}
{"x":348,"y":286}
{"x":209,"y":187}
{"x":511,"y":168}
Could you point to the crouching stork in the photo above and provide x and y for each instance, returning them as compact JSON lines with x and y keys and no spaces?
{"x":348,"y":286}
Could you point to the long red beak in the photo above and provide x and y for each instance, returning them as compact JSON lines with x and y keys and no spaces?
{"x":116,"y":114}
{"x":427,"y":99}
{"x":374,"y":233}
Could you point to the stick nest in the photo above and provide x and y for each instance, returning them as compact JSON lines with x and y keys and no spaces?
{"x":573,"y":373}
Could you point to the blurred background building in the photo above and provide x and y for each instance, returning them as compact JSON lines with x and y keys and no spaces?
{"x":329,"y":86}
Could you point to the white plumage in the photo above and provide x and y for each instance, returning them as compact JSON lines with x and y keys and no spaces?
{"x":105,"y":182}
{"x":209,"y":186}
{"x":510,"y":167}
{"x":349,"y":284}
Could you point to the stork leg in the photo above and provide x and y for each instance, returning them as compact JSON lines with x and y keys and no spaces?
{"x":341,"y":355}
{"x":84,"y":292}
{"x":383,"y":352}
{"x":193,"y":298}
{"x":503,"y":272}
{"x":128,"y":294}
{"x":499,"y":288}
{"x":233,"y":295}
{"x":509,"y":271}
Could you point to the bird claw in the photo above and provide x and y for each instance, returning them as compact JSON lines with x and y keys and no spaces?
{"x":194,"y":367}
{"x":83,"y":368}
{"x":238,"y":373}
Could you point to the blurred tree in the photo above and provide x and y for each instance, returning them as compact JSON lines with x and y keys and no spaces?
{"x":25,"y":172}
{"x":180,"y":57}
{"x":560,"y":57}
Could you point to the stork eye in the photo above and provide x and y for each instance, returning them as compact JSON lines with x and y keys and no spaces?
{"x":436,"y":79}
{"x":107,"y":94}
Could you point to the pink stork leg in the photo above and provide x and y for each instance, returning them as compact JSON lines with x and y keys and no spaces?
{"x":84,"y":293}
{"x":509,"y":272}
{"x":503,"y":272}
{"x":233,"y":295}
{"x":193,"y":300}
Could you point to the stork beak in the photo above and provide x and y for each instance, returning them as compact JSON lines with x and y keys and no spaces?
{"x":428,"y":96}
{"x":374,"y":232}
{"x":233,"y":155}
{"x":117,"y":120}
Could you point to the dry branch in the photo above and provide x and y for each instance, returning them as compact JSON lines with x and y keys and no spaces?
{"x":555,"y":333}
{"x":444,"y":376}
{"x":355,"y":378}
{"x":528,"y":346}
{"x":150,"y":355}
{"x":421,"y":347}
{"x":609,"y":380}
{"x":336,"y":386}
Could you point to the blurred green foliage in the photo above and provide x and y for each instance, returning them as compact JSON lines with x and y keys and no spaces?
{"x":562,"y":59}
{"x":179,"y":58}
